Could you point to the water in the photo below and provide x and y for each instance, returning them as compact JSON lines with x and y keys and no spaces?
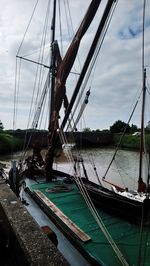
{"x":123,"y":171}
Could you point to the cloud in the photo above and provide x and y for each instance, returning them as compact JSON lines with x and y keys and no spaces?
{"x":117,"y":77}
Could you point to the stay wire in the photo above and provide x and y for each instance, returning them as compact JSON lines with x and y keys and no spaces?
{"x":43,"y":108}
{"x":121,"y":138}
{"x":15,"y":92}
{"x":18,"y":87}
{"x":26,"y":145}
{"x":143,"y":65}
{"x":95,"y":56}
{"x":60,"y":27}
{"x":41,"y":57}
{"x":99,"y":221}
{"x":105,"y":29}
{"x":27,"y":27}
{"x":95,"y":214}
{"x":70,"y":28}
{"x":15,"y":99}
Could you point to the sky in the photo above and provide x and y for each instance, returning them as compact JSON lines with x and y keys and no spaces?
{"x":116,"y":80}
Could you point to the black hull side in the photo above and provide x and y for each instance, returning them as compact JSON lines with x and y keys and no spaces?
{"x":111,"y":202}
{"x":116,"y":204}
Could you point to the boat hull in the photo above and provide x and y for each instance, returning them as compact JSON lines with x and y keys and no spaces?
{"x":118,"y":204}
{"x":109,"y":201}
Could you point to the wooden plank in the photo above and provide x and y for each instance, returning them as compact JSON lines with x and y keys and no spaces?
{"x":72,"y":226}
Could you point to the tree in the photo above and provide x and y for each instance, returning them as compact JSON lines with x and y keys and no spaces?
{"x":134,"y":128}
{"x":1,"y":125}
{"x":148,"y":126}
{"x":119,"y":127}
{"x":87,"y":129}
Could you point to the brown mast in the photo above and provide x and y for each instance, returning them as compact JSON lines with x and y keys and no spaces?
{"x":140,"y":181}
{"x":59,"y":91}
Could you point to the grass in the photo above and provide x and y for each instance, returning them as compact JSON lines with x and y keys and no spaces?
{"x":131,"y":142}
{"x":8,"y":143}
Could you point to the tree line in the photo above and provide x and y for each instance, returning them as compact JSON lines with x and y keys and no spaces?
{"x":119,"y":127}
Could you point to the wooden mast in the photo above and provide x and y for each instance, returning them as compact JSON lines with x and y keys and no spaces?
{"x":98,"y":35}
{"x":60,"y":82}
{"x":142,"y":126}
{"x":52,"y":63}
{"x":52,"y":76}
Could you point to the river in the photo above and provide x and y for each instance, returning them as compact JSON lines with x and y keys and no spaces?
{"x":123,"y":172}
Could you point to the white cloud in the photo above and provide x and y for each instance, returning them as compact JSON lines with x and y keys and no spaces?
{"x":117,"y":77}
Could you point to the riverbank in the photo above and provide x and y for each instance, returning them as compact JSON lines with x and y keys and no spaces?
{"x":10,"y":143}
{"x":131,"y":142}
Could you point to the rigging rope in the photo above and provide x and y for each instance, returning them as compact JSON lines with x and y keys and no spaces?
{"x":38,"y":71}
{"x":27,"y":27}
{"x":95,"y":56}
{"x":41,"y":103}
{"x":16,"y":92}
{"x":120,"y":170}
{"x":85,"y":102}
{"x":41,"y":58}
{"x":121,"y":138}
{"x":60,"y":28}
{"x":99,"y":220}
{"x":143,"y":78}
{"x":93,"y":210}
{"x":94,"y":167}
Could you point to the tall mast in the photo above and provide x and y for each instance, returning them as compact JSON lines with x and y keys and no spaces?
{"x":98,"y":35}
{"x":142,"y":125}
{"x":52,"y":63}
{"x":61,"y":77}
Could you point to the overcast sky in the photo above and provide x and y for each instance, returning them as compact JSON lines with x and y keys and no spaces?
{"x":117,"y":77}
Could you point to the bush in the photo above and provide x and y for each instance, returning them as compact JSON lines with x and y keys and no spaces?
{"x":8,"y":143}
{"x":131,"y":142}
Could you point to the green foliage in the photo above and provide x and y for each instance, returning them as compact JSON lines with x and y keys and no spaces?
{"x":131,"y":142}
{"x":119,"y":126}
{"x":147,"y":141}
{"x":8,"y":143}
{"x":87,"y":129}
{"x":133,"y":128}
{"x":106,"y":130}
{"x":1,"y":126}
{"x":128,"y":141}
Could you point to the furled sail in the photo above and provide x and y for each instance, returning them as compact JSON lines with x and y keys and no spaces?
{"x":62,"y":74}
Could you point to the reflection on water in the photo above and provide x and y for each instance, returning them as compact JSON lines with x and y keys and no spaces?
{"x":123,"y":171}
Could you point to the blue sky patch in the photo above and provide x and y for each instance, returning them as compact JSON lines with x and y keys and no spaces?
{"x":129,"y":32}
{"x":135,"y":24}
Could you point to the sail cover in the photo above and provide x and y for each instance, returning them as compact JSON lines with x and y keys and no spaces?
{"x":63,"y":71}
{"x":67,"y":62}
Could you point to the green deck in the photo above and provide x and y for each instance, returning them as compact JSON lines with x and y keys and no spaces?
{"x":125,"y":235}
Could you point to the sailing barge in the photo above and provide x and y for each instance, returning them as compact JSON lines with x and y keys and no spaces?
{"x":103,"y":238}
